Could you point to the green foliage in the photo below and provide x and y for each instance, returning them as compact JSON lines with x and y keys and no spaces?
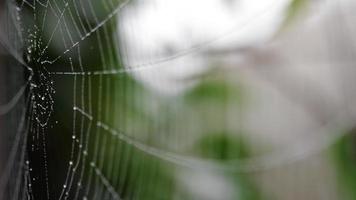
{"x":222,"y":147}
{"x":214,"y":91}
{"x":344,"y":153}
{"x":293,"y":10}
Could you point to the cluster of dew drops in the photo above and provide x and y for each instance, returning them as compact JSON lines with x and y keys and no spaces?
{"x":41,"y":83}
{"x":41,"y":86}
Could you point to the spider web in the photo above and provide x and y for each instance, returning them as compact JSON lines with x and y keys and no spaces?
{"x":85,"y":172}
{"x":88,"y":156}
{"x":77,"y":135}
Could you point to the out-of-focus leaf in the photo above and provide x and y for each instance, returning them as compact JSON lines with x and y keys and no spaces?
{"x":225,"y":147}
{"x":216,"y":91}
{"x":222,"y":147}
{"x":294,"y":9}
{"x":344,"y":152}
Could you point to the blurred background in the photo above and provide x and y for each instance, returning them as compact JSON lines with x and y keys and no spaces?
{"x":177,"y":99}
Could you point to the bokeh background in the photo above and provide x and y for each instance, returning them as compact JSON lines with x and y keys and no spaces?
{"x":177,"y":99}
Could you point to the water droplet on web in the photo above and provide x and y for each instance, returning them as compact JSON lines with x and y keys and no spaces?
{"x":28,"y":58}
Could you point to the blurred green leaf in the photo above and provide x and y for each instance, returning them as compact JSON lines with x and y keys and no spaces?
{"x":216,"y":91}
{"x":344,"y":152}
{"x":222,"y":146}
{"x":293,"y":10}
